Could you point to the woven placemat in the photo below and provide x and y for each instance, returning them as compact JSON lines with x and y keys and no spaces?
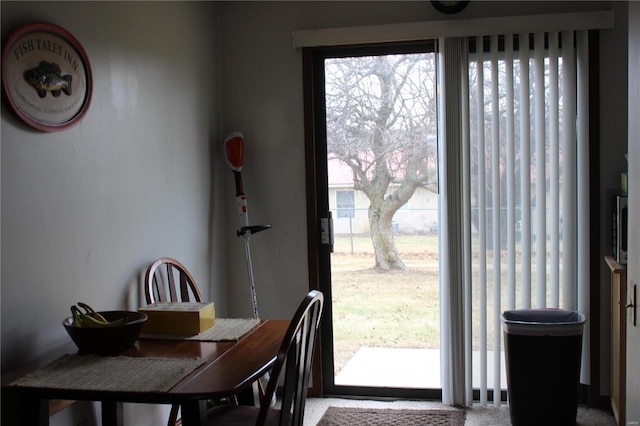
{"x":223,"y":329}
{"x":340,"y":416}
{"x":92,"y":372}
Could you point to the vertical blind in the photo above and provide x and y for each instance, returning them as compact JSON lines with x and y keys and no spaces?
{"x":514,"y":158}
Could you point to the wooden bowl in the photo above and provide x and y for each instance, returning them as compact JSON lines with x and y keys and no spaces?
{"x":107,"y":340}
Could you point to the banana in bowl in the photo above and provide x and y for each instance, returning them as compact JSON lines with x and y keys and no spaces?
{"x":105,"y":332}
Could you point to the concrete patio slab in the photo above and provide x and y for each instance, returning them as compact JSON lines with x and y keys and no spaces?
{"x":405,"y":368}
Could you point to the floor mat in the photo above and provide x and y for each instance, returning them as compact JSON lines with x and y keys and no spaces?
{"x":340,"y":416}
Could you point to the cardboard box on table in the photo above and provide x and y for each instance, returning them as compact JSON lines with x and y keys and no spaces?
{"x":186,"y":318}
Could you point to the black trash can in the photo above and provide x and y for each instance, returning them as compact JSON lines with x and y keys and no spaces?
{"x":543,"y":350}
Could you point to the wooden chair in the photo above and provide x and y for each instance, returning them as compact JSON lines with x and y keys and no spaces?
{"x":167,"y":280}
{"x":294,"y":357}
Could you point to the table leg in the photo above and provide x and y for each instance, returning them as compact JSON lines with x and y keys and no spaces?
{"x":194,"y":413}
{"x":112,"y":413}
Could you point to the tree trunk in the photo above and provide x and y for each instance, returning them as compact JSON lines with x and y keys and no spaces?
{"x":380,"y":224}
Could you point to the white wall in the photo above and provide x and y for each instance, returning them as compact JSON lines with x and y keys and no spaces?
{"x":84,"y":211}
{"x":633,"y":269}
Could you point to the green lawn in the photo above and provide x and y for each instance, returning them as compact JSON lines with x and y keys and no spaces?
{"x":398,"y":309}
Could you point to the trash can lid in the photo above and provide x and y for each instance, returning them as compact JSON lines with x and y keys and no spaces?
{"x":543,"y":322}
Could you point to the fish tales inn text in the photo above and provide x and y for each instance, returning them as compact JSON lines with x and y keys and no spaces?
{"x":44,"y":45}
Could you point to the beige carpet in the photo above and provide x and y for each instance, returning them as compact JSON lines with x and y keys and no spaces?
{"x":339,"y":416}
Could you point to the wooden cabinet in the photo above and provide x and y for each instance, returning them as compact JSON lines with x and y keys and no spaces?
{"x":618,"y":338}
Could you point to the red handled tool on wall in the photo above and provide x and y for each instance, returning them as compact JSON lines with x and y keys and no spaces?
{"x":234,"y":149}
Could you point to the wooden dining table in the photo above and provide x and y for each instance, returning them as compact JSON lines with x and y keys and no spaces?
{"x":227,"y":369}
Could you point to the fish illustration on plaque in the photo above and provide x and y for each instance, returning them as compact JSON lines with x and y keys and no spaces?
{"x":47,"y":77}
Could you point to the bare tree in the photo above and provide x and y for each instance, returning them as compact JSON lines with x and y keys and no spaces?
{"x":381,"y":122}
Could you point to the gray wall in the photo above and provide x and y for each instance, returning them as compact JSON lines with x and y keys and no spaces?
{"x":633,"y":271}
{"x":85,"y":210}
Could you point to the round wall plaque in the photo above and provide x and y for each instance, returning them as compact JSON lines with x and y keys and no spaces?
{"x":46,"y":76}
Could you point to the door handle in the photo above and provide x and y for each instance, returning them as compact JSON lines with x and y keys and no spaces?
{"x":326,"y":231}
{"x":631,"y":302}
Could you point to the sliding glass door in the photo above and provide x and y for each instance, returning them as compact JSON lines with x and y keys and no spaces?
{"x":376,"y":170}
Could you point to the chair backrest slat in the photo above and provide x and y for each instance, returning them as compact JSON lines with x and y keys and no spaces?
{"x":171,"y":282}
{"x":184,"y":288}
{"x":159,"y":288}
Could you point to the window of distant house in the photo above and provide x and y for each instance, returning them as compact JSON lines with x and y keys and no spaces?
{"x":346,"y":203}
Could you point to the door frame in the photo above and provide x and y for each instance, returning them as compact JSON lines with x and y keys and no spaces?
{"x":589,"y":393}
